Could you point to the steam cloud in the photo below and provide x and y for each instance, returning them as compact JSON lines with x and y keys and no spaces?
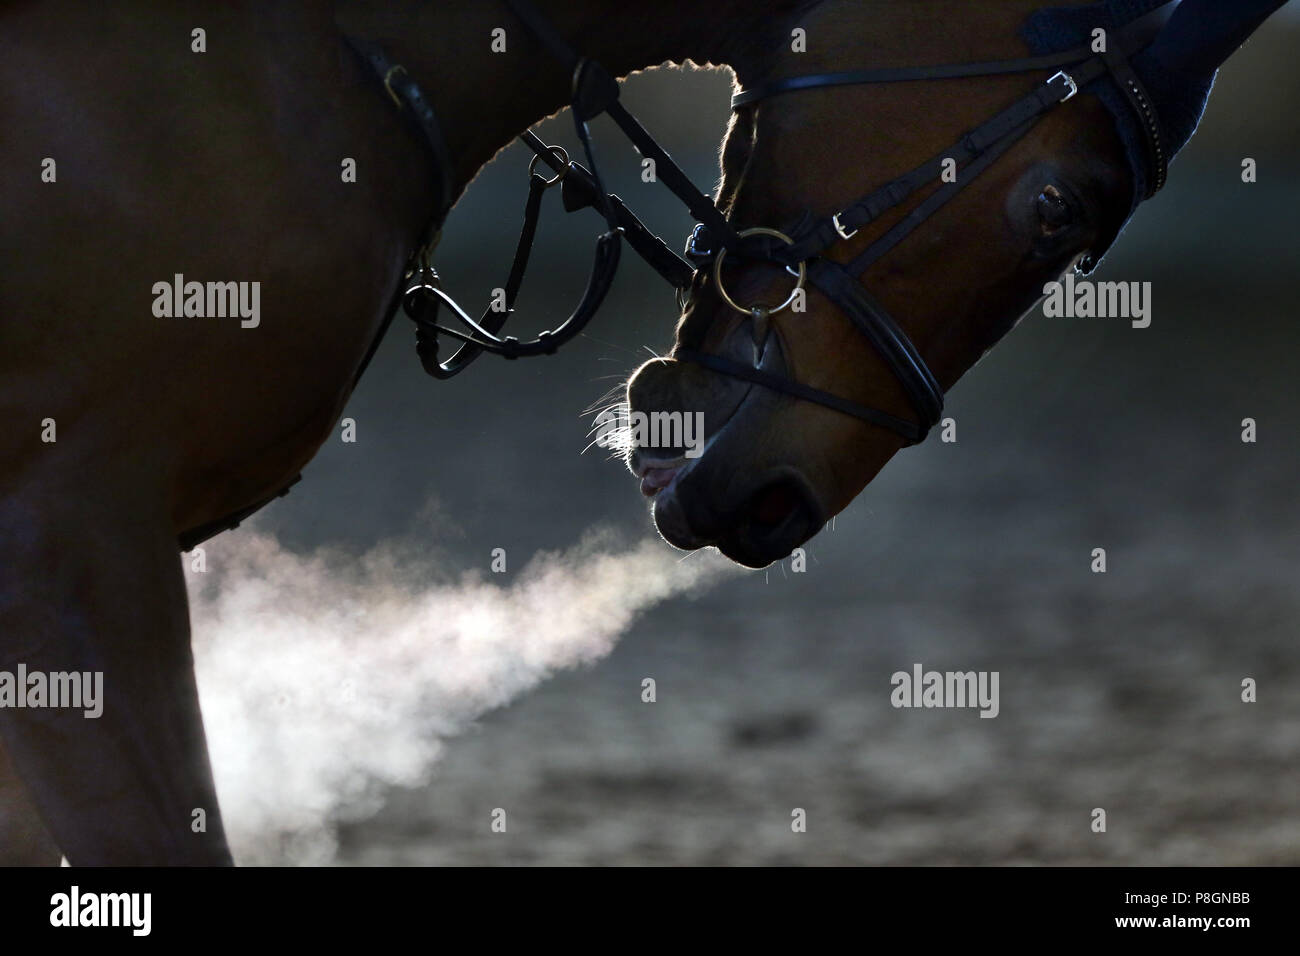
{"x":327,"y":677}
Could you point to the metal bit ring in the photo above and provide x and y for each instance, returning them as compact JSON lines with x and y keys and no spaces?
{"x":726,"y":297}
{"x":561,"y":155}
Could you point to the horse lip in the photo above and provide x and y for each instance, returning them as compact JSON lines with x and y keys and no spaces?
{"x":679,"y":532}
{"x":643,"y":466}
{"x":655,"y":479}
{"x":640,"y":464}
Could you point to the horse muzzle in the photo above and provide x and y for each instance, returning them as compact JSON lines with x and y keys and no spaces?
{"x":752,"y":519}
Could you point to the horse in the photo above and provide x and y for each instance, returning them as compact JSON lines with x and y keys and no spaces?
{"x":255,"y":148}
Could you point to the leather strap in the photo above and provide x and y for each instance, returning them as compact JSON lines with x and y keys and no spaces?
{"x":934,"y":202}
{"x":788,"y":386}
{"x":408,"y":93}
{"x":1133,"y":36}
{"x":405,"y":92}
{"x":823,"y":233}
{"x":578,"y":191}
{"x":875,"y":323}
{"x":1144,"y":110}
{"x":671,"y":175}
{"x":596,"y":92}
{"x":424,"y":308}
{"x":191,"y":539}
{"x":908,"y":74}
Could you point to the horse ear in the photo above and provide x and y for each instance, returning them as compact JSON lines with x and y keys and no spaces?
{"x":1202,"y":34}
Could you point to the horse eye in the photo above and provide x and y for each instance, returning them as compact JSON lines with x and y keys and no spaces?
{"x":1054,"y":210}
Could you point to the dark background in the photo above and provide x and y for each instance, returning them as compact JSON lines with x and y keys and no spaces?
{"x":1118,"y":691}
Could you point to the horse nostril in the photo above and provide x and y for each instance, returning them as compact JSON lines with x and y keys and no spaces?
{"x":774,"y":504}
{"x":779,"y":517}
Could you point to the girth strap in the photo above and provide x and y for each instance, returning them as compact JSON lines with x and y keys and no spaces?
{"x":193,"y":537}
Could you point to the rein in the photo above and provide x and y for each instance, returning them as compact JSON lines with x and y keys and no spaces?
{"x":594,"y":92}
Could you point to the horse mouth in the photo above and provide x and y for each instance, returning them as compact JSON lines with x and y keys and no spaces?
{"x":754,"y":516}
{"x":656,"y":475}
{"x":660,"y":475}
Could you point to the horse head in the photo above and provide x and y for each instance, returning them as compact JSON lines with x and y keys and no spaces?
{"x":951,"y":263}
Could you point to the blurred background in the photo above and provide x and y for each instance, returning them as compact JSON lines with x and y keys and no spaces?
{"x":1119,"y":691}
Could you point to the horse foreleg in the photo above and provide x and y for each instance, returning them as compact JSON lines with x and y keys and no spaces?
{"x":91,"y":585}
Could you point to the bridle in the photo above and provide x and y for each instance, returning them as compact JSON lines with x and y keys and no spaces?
{"x":800,"y":246}
{"x":803,"y":244}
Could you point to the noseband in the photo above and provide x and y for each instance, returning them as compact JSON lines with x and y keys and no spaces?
{"x":800,"y":246}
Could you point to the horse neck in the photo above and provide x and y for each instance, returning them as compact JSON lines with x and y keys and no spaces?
{"x":484,"y":99}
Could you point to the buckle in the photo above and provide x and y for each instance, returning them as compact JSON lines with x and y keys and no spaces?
{"x":699,"y":245}
{"x":388,"y":82}
{"x":839,"y":227}
{"x":1069,"y":81}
